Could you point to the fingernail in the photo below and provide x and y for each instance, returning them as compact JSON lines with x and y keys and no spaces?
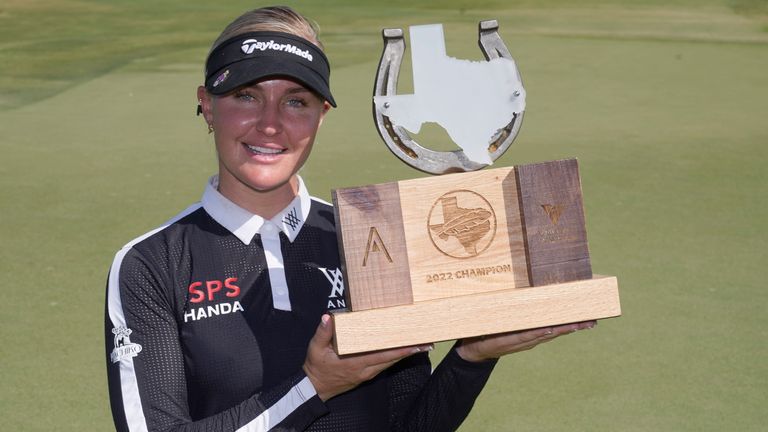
{"x":325,"y":319}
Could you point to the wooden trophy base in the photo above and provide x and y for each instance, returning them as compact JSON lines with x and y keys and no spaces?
{"x":476,"y":314}
{"x":457,"y":255}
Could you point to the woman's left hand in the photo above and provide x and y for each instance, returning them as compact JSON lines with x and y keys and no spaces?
{"x":488,"y":347}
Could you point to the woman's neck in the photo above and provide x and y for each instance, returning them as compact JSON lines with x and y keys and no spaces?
{"x":264,"y":203}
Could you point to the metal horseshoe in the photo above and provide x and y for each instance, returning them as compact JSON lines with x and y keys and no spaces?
{"x":397,"y":138}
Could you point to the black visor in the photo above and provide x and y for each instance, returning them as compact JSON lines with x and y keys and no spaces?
{"x":252,"y":56}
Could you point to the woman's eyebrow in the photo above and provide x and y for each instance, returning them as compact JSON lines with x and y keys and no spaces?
{"x":298,"y":89}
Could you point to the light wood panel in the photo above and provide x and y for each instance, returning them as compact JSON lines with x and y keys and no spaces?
{"x":463,"y":234}
{"x":476,"y":314}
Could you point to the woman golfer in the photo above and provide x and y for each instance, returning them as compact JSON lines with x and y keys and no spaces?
{"x":217,"y":321}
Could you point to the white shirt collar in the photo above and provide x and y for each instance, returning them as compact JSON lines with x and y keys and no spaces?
{"x":244,"y":224}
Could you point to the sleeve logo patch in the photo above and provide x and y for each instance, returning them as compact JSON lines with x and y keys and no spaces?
{"x":124,"y":348}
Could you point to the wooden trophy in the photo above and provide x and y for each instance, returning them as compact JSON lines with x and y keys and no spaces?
{"x":468,"y":252}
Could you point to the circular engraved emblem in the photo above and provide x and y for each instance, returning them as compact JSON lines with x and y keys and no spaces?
{"x":461,"y":224}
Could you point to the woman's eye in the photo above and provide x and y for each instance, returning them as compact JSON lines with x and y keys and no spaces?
{"x":296,"y":102}
{"x":244,"y":96}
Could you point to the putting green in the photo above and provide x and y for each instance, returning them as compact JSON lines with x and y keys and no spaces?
{"x":664,"y":105}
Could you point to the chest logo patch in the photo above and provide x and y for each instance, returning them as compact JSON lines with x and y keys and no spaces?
{"x":124,"y":348}
{"x":336,"y":278}
{"x":212,"y":298}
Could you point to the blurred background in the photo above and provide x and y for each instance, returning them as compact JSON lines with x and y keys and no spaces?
{"x":663,"y":103}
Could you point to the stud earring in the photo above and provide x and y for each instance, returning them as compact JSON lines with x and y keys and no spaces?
{"x":210,"y":128}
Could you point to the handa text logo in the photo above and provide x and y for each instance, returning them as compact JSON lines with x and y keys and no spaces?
{"x":210,"y":291}
{"x":251,"y":45}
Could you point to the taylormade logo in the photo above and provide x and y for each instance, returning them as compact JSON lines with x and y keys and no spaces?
{"x":251,"y":45}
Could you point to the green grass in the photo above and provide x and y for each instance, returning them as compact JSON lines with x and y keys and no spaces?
{"x":663,"y":104}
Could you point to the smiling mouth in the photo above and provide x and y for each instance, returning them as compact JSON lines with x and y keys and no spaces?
{"x":263,"y":150}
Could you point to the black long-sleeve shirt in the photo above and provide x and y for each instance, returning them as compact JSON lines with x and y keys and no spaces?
{"x":208,"y":321}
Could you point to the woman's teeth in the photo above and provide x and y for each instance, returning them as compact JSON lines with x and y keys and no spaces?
{"x":264,"y":150}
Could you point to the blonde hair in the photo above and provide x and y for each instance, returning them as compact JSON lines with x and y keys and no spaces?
{"x":273,"y":18}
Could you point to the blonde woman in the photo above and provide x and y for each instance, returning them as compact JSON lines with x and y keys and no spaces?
{"x":217,"y":321}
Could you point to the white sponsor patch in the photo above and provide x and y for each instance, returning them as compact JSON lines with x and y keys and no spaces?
{"x":124,"y":348}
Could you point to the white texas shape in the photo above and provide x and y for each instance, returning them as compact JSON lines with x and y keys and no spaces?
{"x":471,"y":100}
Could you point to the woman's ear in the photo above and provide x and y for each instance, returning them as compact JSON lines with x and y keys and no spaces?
{"x":326,"y":108}
{"x":204,"y":105}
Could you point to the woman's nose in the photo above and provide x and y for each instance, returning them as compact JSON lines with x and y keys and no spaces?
{"x":269,"y":122}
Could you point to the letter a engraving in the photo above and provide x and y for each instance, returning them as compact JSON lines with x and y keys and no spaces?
{"x":375,"y":244}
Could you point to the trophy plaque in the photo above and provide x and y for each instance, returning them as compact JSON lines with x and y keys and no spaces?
{"x":467,"y":252}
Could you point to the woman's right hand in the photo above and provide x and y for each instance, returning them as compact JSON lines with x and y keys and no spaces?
{"x":332,"y":374}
